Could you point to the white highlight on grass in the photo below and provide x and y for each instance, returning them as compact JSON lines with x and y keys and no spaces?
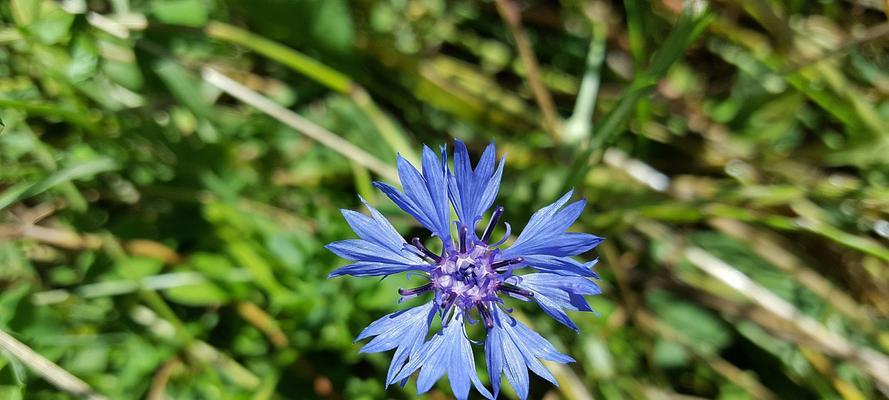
{"x":873,"y":362}
{"x":295,"y":121}
{"x":53,"y":373}
{"x":639,"y":170}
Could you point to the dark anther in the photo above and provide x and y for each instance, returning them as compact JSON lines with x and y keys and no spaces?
{"x":449,"y":301}
{"x":462,"y":238}
{"x":495,"y":217}
{"x":504,"y":263}
{"x":486,"y":315}
{"x":416,"y":290}
{"x":415,"y":251}
{"x":510,"y":288}
{"x":418,"y":245}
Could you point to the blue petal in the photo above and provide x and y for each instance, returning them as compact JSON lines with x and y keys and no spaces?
{"x":363,"y":250}
{"x":547,"y":283}
{"x":546,"y":246}
{"x":545,"y":233}
{"x":434,"y":360}
{"x":494,"y":358}
{"x":560,"y":265}
{"x":539,"y":347}
{"x":541,"y":220}
{"x":489,"y":193}
{"x":513,"y":348}
{"x":555,"y":311}
{"x":435,"y":172}
{"x":460,"y":181}
{"x":425,"y":195}
{"x":380,"y":251}
{"x":375,"y":228}
{"x":375,"y":269}
{"x":404,"y":330}
{"x":449,"y":351}
{"x":516,"y":371}
{"x":567,"y":244}
{"x":554,"y":293}
{"x":473,"y":191}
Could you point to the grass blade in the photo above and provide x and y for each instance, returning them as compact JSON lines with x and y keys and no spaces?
{"x":82,"y":170}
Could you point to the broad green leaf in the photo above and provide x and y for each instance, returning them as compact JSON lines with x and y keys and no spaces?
{"x":204,"y":294}
{"x":703,"y":331}
{"x":136,"y":268}
{"x":180,"y":12}
{"x":670,"y":355}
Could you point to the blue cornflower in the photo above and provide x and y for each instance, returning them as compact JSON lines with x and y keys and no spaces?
{"x":469,"y":276}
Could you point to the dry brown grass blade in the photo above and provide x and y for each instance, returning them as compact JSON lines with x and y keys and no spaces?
{"x":874,"y":363}
{"x":260,"y":319}
{"x":766,"y":245}
{"x":720,"y":365}
{"x":295,"y":121}
{"x":47,"y":369}
{"x":511,"y":14}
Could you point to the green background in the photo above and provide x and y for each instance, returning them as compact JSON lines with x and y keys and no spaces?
{"x":161,"y":237}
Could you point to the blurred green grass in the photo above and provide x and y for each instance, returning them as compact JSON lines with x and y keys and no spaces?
{"x":161,"y":238}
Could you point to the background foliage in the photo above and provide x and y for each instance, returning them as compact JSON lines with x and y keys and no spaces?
{"x":160,"y":237}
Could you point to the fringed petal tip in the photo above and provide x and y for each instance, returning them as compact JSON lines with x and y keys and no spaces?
{"x":512,"y":349}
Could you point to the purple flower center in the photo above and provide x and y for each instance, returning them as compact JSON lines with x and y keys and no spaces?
{"x":469,"y":275}
{"x":466,"y":278}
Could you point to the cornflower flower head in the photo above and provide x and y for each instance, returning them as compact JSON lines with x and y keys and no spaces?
{"x":470,"y":276}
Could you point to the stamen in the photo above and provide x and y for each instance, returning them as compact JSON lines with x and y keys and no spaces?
{"x":510,"y":288}
{"x":486,"y":315}
{"x":416,"y":242}
{"x":505,"y":263}
{"x":462,"y":238}
{"x":415,"y":251}
{"x":449,"y":301}
{"x":495,"y":217}
{"x":447,"y":308}
{"x":415,"y":291}
{"x":505,"y":235}
{"x":421,"y":273}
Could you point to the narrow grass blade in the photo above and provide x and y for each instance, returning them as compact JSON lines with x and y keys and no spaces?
{"x":692,"y":21}
{"x":82,"y":170}
{"x":50,"y":371}
{"x":580,"y":125}
{"x":299,"y":123}
{"x":318,"y":72}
